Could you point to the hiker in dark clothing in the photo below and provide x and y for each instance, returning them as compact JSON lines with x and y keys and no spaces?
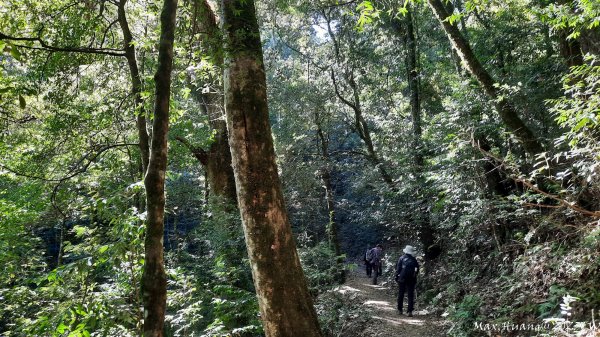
{"x":407,"y":269}
{"x":368,"y":265}
{"x":376,"y":256}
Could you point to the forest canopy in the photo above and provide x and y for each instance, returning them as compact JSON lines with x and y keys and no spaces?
{"x":191,"y":168}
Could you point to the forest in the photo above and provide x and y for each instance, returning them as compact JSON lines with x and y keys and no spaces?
{"x":223,"y":168}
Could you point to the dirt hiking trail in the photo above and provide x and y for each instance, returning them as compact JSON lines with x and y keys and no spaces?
{"x":380,"y":301}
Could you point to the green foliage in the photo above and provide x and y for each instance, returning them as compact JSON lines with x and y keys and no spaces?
{"x":341,"y":313}
{"x":367,"y":14}
{"x":574,"y":17}
{"x":322,"y":267}
{"x":211,"y":290}
{"x":464,"y":315}
{"x":71,"y":199}
{"x":579,"y":109}
{"x":236,"y":312}
{"x":555,"y":294}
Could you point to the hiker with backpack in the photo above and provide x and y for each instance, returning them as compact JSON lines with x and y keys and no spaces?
{"x":376,"y":255}
{"x":367,"y":259}
{"x":407,"y":269}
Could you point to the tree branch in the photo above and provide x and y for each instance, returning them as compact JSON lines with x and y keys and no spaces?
{"x":77,"y":168}
{"x":45,"y":46}
{"x":528,"y":184}
{"x":338,"y":94}
{"x":294,"y":49}
{"x":198,"y":152}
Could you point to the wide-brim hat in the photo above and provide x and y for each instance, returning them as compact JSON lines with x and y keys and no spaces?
{"x":409,"y":250}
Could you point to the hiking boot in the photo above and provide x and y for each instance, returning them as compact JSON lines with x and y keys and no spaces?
{"x":400,"y":312}
{"x":410,"y":314}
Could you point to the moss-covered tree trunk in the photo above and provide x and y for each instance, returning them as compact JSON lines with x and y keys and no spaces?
{"x":154,"y":281}
{"x":507,"y":112}
{"x":325,"y":175}
{"x":285,"y":304}
{"x":218,"y":168}
{"x":217,"y":159}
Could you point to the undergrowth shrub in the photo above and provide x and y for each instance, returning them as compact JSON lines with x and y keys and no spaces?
{"x":341,"y":313}
{"x":464,"y":315}
{"x":321,"y":266}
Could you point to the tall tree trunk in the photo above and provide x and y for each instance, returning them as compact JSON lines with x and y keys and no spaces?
{"x":362,"y":127}
{"x":136,"y":85}
{"x":285,"y":303}
{"x":140,"y":111}
{"x":426,"y":231}
{"x":221,"y":197}
{"x":217,"y":165}
{"x":405,"y":28}
{"x":217,"y":160}
{"x":325,"y":174}
{"x":507,"y":112}
{"x":218,"y":169}
{"x":493,"y":176}
{"x":154,"y":281}
{"x":412,"y":70}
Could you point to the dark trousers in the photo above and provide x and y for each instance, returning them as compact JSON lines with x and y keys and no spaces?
{"x":376,"y":269}
{"x":369,"y":268}
{"x":408,"y":287}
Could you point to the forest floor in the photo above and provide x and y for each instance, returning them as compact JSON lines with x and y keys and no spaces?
{"x":381,"y":301}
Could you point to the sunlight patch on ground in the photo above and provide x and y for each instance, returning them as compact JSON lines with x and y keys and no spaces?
{"x":400,"y":321}
{"x":422,"y":312}
{"x":346,"y":289}
{"x":378,"y":303}
{"x":378,"y":287}
{"x":381,"y":305}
